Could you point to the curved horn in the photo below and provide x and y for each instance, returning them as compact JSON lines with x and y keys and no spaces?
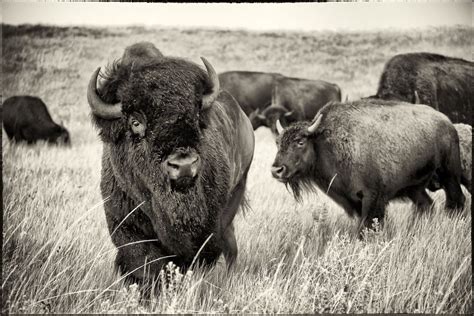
{"x":417,"y":98}
{"x":99,"y":107}
{"x":279,"y":127}
{"x":208,"y":99}
{"x":315,"y":125}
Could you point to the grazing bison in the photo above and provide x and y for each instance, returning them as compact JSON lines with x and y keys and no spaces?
{"x":252,"y":90}
{"x":295,"y":99}
{"x":176,"y":148}
{"x":465,"y":146}
{"x":441,"y":82}
{"x":26,"y":118}
{"x":368,"y":152}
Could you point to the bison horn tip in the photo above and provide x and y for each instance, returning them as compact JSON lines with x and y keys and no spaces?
{"x":209,"y":98}
{"x":279,"y":127}
{"x":314,"y":126}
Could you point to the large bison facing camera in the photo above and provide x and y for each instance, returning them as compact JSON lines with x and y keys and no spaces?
{"x":176,"y":148}
{"x":26,"y":118}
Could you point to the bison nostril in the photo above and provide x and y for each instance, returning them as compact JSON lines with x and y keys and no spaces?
{"x":278,"y":171}
{"x":182,"y":165}
{"x":173,"y":165}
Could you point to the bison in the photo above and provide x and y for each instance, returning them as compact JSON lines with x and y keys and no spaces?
{"x":176,"y":154}
{"x":26,"y":118}
{"x":295,"y":99}
{"x":368,"y":152}
{"x":465,"y":146}
{"x":252,"y":90}
{"x":442,"y":82}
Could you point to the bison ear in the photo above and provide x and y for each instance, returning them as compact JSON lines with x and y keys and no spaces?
{"x":209,"y":98}
{"x":314,"y":126}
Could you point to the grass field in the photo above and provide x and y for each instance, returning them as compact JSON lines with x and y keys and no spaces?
{"x":293,"y":258}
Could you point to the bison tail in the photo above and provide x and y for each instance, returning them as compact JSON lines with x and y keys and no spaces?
{"x":244,"y":206}
{"x":466,"y":182}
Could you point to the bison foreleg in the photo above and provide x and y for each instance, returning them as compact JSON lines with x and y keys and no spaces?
{"x":230,"y":248}
{"x":373,"y":206}
{"x":139,"y":255}
{"x":421,"y":199}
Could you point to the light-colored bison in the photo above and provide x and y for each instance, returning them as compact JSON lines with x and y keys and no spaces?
{"x":368,"y":152}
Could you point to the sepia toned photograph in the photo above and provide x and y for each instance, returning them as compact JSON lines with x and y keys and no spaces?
{"x":237,"y":158}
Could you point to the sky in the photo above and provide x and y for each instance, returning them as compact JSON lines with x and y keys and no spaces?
{"x":255,"y":16}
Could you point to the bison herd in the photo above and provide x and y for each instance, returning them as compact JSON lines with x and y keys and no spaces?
{"x":178,"y":143}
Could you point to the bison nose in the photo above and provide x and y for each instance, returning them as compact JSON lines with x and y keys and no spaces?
{"x":278,"y":171}
{"x":182,"y":165}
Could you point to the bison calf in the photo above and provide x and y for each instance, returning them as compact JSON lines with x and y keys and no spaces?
{"x":368,"y":152}
{"x":26,"y":118}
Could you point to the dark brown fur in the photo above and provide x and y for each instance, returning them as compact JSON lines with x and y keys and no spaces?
{"x":300,"y":99}
{"x":368,"y":152}
{"x":26,"y":118}
{"x":442,"y":82}
{"x":252,"y":90}
{"x":165,"y":94}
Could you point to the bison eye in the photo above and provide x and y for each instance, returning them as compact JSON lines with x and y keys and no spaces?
{"x":301,"y":142}
{"x":137,"y":127}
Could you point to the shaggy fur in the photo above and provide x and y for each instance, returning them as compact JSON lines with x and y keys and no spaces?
{"x":165,"y":95}
{"x":465,"y":146}
{"x":302,"y":97}
{"x":26,"y":118}
{"x":444,"y":83}
{"x":367,"y":152}
{"x":252,"y":90}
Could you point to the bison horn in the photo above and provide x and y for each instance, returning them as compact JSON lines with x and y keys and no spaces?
{"x":279,"y":127}
{"x":99,"y":107}
{"x":315,"y":125}
{"x":417,"y":98}
{"x":208,"y":99}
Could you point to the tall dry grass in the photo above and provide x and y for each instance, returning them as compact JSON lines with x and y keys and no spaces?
{"x":57,"y":253}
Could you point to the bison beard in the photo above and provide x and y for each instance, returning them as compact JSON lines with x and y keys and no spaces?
{"x":299,"y":183}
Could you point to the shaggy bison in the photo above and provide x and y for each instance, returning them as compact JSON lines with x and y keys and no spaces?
{"x":368,"y":152}
{"x":176,"y":153}
{"x":26,"y":118}
{"x":444,"y":83}
{"x":252,"y":90}
{"x":295,"y":99}
{"x":465,"y":146}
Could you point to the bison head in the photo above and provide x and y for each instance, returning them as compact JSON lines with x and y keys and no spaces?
{"x":152,"y":113}
{"x":270,"y":116}
{"x":59,"y":136}
{"x":296,"y":154}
